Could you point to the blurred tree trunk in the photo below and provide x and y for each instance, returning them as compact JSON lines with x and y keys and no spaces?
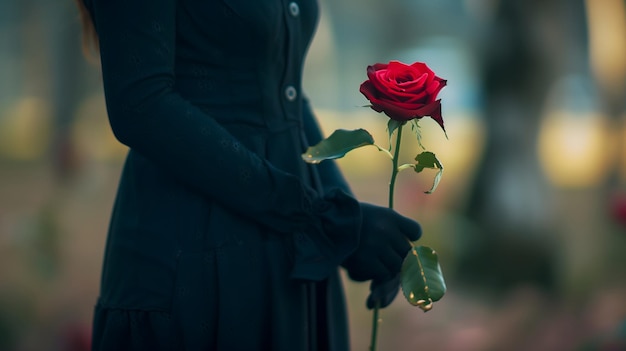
{"x":608,"y":19}
{"x":610,"y":75}
{"x":71,"y":80}
{"x":11,"y":50}
{"x":528,"y":46}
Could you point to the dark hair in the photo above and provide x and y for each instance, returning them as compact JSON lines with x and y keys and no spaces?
{"x":90,"y":37}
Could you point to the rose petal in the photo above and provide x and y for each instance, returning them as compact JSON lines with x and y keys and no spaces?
{"x":412,"y":98}
{"x":381,"y":84}
{"x":435,"y":113}
{"x":406,"y":105}
{"x":374,"y":90}
{"x":432,"y":87}
{"x":401,"y":72}
{"x":402,"y":101}
{"x":371,"y":92}
{"x":422,"y":68}
{"x":379,"y":66}
{"x":442,"y":84}
{"x":397,"y":66}
{"x":432,"y":110}
{"x":416,"y":85}
{"x":394,"y":112}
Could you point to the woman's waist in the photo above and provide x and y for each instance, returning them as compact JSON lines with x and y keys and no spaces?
{"x":243,"y":105}
{"x":212,"y":91}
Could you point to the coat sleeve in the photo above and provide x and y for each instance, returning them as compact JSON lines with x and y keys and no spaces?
{"x":137,"y":49}
{"x":330,"y":174}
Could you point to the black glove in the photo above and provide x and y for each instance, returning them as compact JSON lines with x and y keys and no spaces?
{"x":383,"y":292}
{"x":383,"y":244}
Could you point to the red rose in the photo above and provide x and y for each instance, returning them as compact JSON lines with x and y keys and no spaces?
{"x":404,"y":92}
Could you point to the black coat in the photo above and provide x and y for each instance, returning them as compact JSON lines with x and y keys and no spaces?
{"x":221,"y":237}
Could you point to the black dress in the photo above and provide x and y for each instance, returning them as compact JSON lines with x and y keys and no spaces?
{"x":221,"y":237}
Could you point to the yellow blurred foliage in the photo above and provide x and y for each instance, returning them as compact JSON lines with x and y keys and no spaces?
{"x":25,"y":129}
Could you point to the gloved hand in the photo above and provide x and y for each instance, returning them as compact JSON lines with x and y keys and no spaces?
{"x":383,"y":244}
{"x":383,"y":292}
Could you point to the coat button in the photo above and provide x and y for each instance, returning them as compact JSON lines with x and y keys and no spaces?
{"x":291,"y":93}
{"x":301,"y":238}
{"x":294,"y":9}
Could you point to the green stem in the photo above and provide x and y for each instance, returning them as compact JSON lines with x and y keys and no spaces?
{"x":374,"y":327}
{"x":392,"y":184}
{"x":394,"y":172}
{"x":385,"y":151}
{"x":405,"y":166}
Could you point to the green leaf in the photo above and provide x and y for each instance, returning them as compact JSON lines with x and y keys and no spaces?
{"x":428,"y":159}
{"x":392,"y":125}
{"x":415,"y":127}
{"x":337,"y":145}
{"x":421,"y":278}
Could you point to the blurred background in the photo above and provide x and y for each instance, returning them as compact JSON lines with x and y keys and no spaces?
{"x":529,"y":219}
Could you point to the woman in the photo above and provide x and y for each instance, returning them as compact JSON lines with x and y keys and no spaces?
{"x":221,"y":237}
